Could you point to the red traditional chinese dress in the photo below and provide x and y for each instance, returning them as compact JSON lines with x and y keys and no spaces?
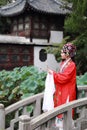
{"x":65,"y":83}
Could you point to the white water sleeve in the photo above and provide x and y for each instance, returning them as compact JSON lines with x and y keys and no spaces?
{"x":48,"y":103}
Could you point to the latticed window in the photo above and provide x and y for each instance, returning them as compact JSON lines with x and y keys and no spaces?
{"x":15,"y":55}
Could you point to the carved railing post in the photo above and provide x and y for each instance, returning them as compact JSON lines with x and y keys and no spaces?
{"x":24,"y":122}
{"x":37,"y":110}
{"x":68,"y":120}
{"x":2,"y":117}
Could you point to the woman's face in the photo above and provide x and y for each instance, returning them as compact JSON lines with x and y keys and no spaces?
{"x":63,"y":55}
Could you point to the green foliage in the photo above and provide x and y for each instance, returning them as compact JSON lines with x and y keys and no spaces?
{"x":82,"y":79}
{"x":23,"y":82}
{"x":4,"y":2}
{"x":81,"y":56}
{"x":20,"y":83}
{"x":77,"y":21}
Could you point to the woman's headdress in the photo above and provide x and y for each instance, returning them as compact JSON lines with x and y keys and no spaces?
{"x":69,"y":49}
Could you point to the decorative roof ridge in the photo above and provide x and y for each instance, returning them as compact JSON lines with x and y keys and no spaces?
{"x":11,"y":5}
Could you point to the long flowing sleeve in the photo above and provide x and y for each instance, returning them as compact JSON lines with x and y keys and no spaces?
{"x":48,"y":102}
{"x":66,"y":76}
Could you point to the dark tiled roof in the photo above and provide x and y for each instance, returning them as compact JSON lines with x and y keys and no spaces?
{"x":13,"y":8}
{"x":45,"y":6}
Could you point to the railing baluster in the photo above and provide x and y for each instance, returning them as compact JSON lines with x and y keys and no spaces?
{"x":2,"y":117}
{"x":68,"y":120}
{"x":24,"y":110}
{"x":17,"y":114}
{"x":37,"y":110}
{"x":24,"y":122}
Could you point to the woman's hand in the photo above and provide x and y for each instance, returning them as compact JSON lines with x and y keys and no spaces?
{"x":49,"y":71}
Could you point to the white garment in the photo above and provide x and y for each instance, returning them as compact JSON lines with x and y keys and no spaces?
{"x":59,"y":123}
{"x":48,"y":103}
{"x":65,"y":63}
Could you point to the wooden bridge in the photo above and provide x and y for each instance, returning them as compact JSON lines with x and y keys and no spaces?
{"x":22,"y":119}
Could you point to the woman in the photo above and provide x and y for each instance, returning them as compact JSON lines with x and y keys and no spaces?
{"x":65,"y":79}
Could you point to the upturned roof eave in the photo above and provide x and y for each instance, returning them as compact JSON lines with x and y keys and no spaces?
{"x":9,"y":10}
{"x":18,"y":7}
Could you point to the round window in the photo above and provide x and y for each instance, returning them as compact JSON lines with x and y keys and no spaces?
{"x":43,"y":55}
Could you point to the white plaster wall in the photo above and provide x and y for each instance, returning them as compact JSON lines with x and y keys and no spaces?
{"x":39,"y":41}
{"x":56,"y":36}
{"x":50,"y":62}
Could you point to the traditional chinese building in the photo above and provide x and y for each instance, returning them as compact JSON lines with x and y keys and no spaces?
{"x":40,"y":22}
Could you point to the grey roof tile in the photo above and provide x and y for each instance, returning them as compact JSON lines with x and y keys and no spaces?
{"x":45,"y":6}
{"x":13,"y":8}
{"x":49,"y":6}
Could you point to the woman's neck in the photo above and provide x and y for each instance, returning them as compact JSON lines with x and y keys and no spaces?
{"x":68,"y":58}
